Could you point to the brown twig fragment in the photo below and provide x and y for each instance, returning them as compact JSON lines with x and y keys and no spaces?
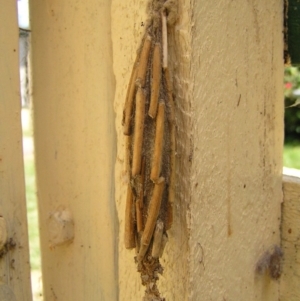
{"x":156,"y":76}
{"x":140,"y":200}
{"x":127,"y":112}
{"x":139,"y":216}
{"x":169,"y":216}
{"x":157,"y":239}
{"x":164,"y":39}
{"x":158,"y":143}
{"x":171,"y":120}
{"x":153,"y":212}
{"x":129,"y":237}
{"x":138,"y":132}
{"x":143,"y":62}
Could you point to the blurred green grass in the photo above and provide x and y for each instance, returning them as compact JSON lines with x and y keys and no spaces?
{"x":291,"y":156}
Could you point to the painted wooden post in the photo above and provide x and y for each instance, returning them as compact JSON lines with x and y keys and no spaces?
{"x":227,"y":74}
{"x":289,"y":285}
{"x":14,"y":253}
{"x":73,"y":90}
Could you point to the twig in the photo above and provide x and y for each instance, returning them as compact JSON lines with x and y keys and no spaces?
{"x":143,"y":63}
{"x":156,"y":76}
{"x":138,"y":132}
{"x":158,"y":143}
{"x":129,"y":237}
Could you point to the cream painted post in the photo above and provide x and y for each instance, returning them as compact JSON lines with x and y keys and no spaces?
{"x":227,"y":60}
{"x":290,"y":229}
{"x":14,"y":253}
{"x":75,"y":143}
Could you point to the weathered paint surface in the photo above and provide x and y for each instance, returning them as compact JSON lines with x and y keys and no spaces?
{"x":228,"y":69}
{"x":237,"y":134}
{"x":75,"y":142}
{"x":14,"y":264}
{"x":290,"y":229}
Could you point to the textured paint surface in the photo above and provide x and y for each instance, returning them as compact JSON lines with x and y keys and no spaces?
{"x":237,"y":134}
{"x":75,"y":141}
{"x":14,"y":265}
{"x":290,"y":279}
{"x":227,"y":62}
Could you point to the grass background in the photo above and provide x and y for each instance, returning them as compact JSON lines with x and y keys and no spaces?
{"x":291,"y":156}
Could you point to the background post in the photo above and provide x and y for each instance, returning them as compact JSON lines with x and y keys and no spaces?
{"x":14,"y":253}
{"x":75,"y":142}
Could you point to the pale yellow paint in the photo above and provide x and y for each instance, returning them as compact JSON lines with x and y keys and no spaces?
{"x":290,"y":279}
{"x":75,"y":142}
{"x":14,"y":265}
{"x":227,"y":61}
{"x":237,"y":144}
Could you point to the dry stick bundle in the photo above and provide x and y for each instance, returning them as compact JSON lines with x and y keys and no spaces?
{"x":149,"y":123}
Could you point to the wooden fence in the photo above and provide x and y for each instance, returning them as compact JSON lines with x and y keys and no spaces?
{"x":232,"y":230}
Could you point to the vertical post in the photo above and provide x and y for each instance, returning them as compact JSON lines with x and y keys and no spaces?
{"x":236,"y":168}
{"x":14,"y":253}
{"x":227,"y":66}
{"x":290,"y":231}
{"x":73,"y":90}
